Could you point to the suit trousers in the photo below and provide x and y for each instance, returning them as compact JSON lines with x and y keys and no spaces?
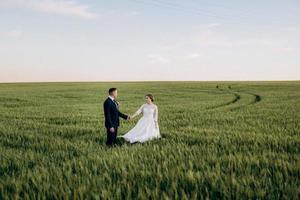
{"x":111,"y":137}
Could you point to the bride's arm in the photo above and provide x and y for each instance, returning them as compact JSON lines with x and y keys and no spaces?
{"x":139,"y":111}
{"x":156,"y":116}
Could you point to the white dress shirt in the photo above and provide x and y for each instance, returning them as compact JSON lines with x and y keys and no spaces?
{"x":112,"y":98}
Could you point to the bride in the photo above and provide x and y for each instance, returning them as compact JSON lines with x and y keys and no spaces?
{"x":147,"y":127}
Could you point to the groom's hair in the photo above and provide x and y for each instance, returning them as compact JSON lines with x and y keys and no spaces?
{"x":111,"y":90}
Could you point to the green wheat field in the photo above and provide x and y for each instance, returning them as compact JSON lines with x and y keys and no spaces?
{"x":220,"y":140}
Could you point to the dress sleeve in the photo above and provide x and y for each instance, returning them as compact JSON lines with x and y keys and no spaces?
{"x":139,"y":111}
{"x":156,"y":114}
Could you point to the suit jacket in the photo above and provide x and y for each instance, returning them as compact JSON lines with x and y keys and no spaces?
{"x":112,"y":114}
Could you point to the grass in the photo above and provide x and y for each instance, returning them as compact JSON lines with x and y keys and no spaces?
{"x":221,"y":140}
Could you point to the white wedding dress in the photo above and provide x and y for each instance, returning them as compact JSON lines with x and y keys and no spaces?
{"x":147,"y":127}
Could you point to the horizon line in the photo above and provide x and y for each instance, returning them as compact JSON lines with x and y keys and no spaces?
{"x":141,"y":81}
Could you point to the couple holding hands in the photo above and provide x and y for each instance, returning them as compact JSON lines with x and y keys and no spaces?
{"x":147,"y":127}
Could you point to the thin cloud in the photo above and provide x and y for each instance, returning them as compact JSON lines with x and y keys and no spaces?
{"x":213,"y":25}
{"x":158,"y":59}
{"x":192,"y":55}
{"x":292,"y":29}
{"x":12,"y":34}
{"x":212,"y":38}
{"x":134,"y":13}
{"x":61,"y":7}
{"x":284,"y":49}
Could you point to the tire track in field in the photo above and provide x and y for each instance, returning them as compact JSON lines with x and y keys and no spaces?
{"x":257,"y":99}
{"x":238,"y":97}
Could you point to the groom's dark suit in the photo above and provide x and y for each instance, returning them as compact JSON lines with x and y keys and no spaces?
{"x":112,"y":114}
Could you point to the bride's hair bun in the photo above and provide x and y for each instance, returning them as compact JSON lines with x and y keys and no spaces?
{"x":150,"y":96}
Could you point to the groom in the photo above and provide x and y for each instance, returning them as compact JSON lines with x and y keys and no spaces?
{"x":112,"y":114}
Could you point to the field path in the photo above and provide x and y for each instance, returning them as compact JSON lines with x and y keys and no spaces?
{"x":239,"y":99}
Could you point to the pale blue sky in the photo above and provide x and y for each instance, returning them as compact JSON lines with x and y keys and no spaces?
{"x":130,"y":40}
